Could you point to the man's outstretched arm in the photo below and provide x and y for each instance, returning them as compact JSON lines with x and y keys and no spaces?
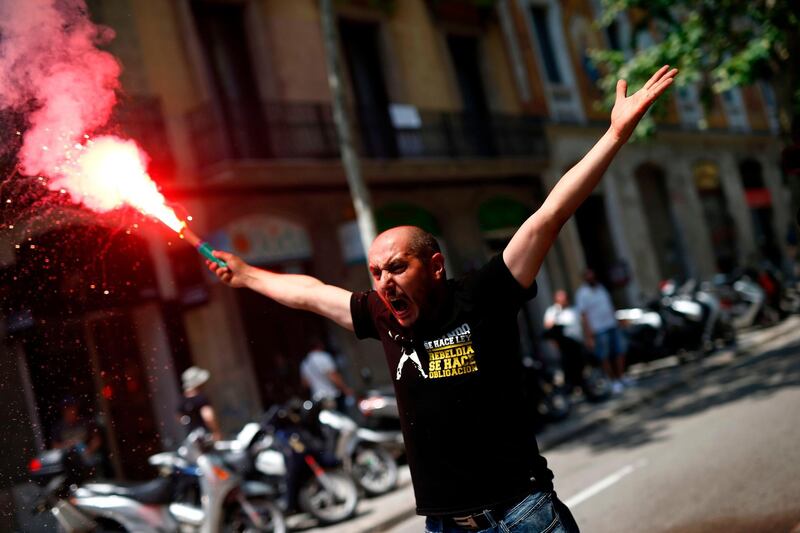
{"x":292,"y":290}
{"x":529,"y":245}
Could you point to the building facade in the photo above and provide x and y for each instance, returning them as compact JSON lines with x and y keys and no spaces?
{"x":465,"y":115}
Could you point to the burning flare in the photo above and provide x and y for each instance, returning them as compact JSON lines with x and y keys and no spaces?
{"x":108,"y":172}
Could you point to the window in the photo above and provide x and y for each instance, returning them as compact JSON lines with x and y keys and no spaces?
{"x":547,"y":33}
{"x":546,"y":45}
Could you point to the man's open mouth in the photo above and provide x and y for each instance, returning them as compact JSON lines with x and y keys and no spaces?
{"x":400,"y":305}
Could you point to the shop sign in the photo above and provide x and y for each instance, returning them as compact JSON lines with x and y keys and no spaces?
{"x":264,"y":239}
{"x":757,"y":198}
{"x":405,"y":117}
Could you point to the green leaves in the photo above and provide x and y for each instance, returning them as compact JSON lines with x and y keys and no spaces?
{"x":717,"y":44}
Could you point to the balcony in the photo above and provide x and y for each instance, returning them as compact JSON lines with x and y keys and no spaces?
{"x":306,"y":131}
{"x":275,"y":131}
{"x":464,"y":136}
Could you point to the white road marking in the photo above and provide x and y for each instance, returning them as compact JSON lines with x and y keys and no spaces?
{"x":603,"y":484}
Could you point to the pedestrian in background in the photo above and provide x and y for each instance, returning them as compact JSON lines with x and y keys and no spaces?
{"x":320,"y":375}
{"x":561,"y":313}
{"x":195,"y":411}
{"x":600,"y":329}
{"x":564,"y":328}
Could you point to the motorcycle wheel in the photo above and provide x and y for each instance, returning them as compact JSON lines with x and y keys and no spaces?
{"x":375,"y":470}
{"x":596,"y":386}
{"x":554,"y":406}
{"x":103,"y":526}
{"x":238,"y":521}
{"x":323,"y":505}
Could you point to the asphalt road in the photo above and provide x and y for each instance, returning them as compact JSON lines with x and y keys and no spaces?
{"x":720,"y":454}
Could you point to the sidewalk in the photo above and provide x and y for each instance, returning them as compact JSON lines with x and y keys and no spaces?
{"x":652,"y":380}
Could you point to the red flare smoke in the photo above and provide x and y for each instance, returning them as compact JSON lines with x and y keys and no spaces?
{"x":49,"y":56}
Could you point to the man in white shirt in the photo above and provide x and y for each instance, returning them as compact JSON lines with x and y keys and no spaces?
{"x":318,"y":372}
{"x":564,"y":328}
{"x":564,"y":315}
{"x":600,"y":329}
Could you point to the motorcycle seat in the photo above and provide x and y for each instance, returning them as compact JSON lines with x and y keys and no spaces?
{"x":238,"y":461}
{"x":379,"y":437}
{"x":156,"y":491}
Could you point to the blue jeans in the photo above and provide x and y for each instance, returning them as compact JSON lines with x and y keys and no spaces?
{"x":609,"y":343}
{"x":539,"y":512}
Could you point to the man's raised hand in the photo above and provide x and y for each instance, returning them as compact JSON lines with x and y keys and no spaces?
{"x":629,"y":110}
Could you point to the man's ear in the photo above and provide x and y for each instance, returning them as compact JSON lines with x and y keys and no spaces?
{"x":437,"y":266}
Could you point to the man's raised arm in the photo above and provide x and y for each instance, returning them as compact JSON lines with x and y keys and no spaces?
{"x":292,"y":290}
{"x":529,"y":245}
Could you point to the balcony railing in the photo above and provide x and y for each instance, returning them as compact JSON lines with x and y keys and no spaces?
{"x":300,"y":130}
{"x":274,"y":131}
{"x":461,"y":135}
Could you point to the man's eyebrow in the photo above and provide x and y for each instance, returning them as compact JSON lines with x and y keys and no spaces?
{"x":391,"y":262}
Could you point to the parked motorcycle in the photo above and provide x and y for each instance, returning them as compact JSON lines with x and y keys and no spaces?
{"x":378,"y":409}
{"x":580,"y":367}
{"x":546,"y":388}
{"x":745,"y":300}
{"x":194,"y":492}
{"x":316,"y":482}
{"x":686,"y":319}
{"x":369,"y":455}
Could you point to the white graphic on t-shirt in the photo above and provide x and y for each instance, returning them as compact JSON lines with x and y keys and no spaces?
{"x":408,"y":351}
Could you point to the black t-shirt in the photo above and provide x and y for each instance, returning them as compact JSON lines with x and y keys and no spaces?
{"x":189,"y":410}
{"x":468,"y":434}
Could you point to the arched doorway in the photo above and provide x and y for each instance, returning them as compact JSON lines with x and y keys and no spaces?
{"x":70,"y":304}
{"x":759,"y":200}
{"x":277,"y":337}
{"x":715,"y":210}
{"x":662,"y":225}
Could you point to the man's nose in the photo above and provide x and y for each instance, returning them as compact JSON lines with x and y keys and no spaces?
{"x":387,"y":280}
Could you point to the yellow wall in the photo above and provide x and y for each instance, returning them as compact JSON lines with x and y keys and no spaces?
{"x":577,"y":21}
{"x":420,"y":59}
{"x":537,"y":104}
{"x":293,"y":38}
{"x":500,"y":82}
{"x":166,"y":63}
{"x":164,"y":58}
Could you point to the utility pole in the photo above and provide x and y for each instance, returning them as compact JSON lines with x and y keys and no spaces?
{"x":352,"y":167}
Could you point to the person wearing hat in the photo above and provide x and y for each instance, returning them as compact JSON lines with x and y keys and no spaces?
{"x":195,"y":411}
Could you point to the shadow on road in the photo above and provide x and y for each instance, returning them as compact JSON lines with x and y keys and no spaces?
{"x":784,"y":522}
{"x":755,"y":377}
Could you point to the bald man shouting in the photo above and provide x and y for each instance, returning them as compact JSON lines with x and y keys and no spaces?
{"x":452,"y":347}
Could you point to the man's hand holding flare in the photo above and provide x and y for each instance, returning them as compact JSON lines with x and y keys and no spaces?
{"x":235,"y":274}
